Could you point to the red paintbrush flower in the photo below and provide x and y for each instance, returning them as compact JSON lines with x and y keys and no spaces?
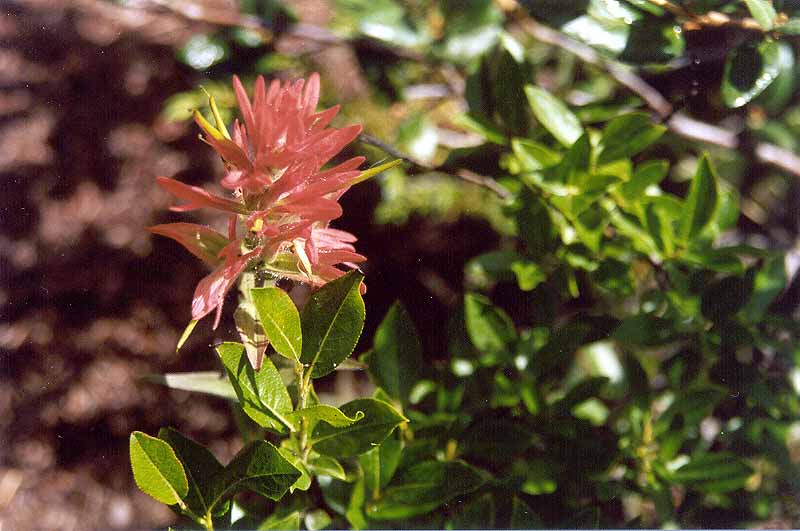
{"x":283,"y":197}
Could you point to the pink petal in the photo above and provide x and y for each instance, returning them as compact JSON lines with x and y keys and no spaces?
{"x":201,"y":241}
{"x":197,"y":197}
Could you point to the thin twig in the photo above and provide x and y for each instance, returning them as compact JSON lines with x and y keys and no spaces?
{"x":679,"y":123}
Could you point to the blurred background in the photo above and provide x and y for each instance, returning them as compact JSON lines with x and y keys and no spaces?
{"x":94,"y":101}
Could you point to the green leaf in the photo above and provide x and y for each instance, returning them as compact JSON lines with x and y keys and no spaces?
{"x":424,"y":487}
{"x":533,"y":156}
{"x":490,"y":329}
{"x":280,"y":319}
{"x":324,"y":465}
{"x":554,"y":115}
{"x":647,"y":174}
{"x":701,"y":202}
{"x":396,"y":354}
{"x":288,"y":453}
{"x":262,"y":394}
{"x":379,"y":420}
{"x":200,"y":466}
{"x":473,"y":27}
{"x":324,"y":413}
{"x":717,"y":472}
{"x":208,"y":382}
{"x":769,"y":282}
{"x":156,"y":469}
{"x":317,"y":519}
{"x":355,"y":506}
{"x":380,"y":464}
{"x":644,"y":330}
{"x":790,"y":27}
{"x":749,"y":70}
{"x":332,"y":321}
{"x":627,"y":135}
{"x":763,"y":12}
{"x":536,"y":228}
{"x":258,"y":467}
{"x":539,"y":479}
{"x":281,"y":522}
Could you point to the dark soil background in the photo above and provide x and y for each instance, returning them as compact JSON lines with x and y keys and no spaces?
{"x":89,"y":301}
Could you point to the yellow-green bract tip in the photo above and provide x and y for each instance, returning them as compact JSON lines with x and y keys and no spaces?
{"x":186,"y":333}
{"x":215,"y":111}
{"x":366,"y":174}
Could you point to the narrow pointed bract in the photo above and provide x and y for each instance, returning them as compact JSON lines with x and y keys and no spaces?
{"x":283,"y":199}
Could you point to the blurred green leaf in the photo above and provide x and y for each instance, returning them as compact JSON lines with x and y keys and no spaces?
{"x":208,"y":382}
{"x":763,"y":12}
{"x":627,"y":135}
{"x":770,"y":280}
{"x":396,"y":356}
{"x":749,"y":70}
{"x":473,"y":27}
{"x":713,"y":472}
{"x":554,"y":116}
{"x":490,"y":329}
{"x":424,"y":487}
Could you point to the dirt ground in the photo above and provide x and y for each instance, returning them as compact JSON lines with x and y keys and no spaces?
{"x":89,"y":301}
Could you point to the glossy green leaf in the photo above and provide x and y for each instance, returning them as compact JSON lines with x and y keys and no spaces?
{"x":763,"y":12}
{"x":258,"y":467}
{"x":717,"y":472}
{"x":289,"y":452}
{"x":701,"y":203}
{"x":262,"y":394}
{"x":332,"y":321}
{"x":324,"y":465}
{"x":156,"y":469}
{"x":490,"y":328}
{"x":200,"y":467}
{"x":396,"y":354}
{"x":424,"y":487}
{"x":379,"y":420}
{"x":627,"y":135}
{"x":325,"y":413}
{"x":554,"y":115}
{"x":380,"y":464}
{"x":749,"y":70}
{"x":280,"y":319}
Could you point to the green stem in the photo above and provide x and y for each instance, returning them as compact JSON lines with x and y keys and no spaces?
{"x":303,"y":386}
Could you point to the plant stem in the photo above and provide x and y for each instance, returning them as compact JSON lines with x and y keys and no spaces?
{"x":303,"y":385}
